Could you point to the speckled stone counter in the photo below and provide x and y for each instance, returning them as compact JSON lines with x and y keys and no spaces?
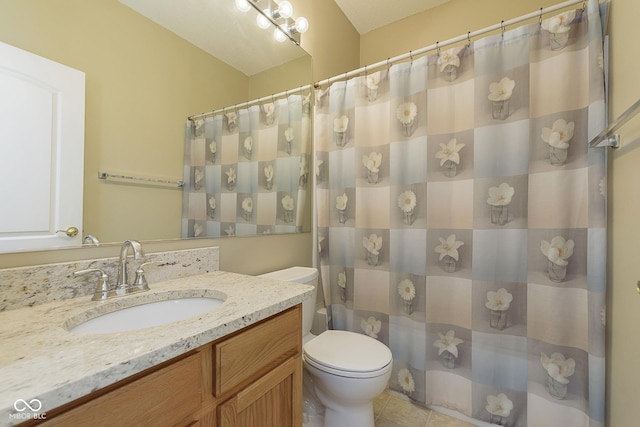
{"x":42,"y":360}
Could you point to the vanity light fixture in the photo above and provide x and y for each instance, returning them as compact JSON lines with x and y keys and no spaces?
{"x":280,"y":15}
{"x":243,"y":5}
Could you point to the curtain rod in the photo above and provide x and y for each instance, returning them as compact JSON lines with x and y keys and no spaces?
{"x":502,"y":25}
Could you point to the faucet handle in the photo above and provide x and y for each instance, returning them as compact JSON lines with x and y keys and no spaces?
{"x":103,"y":285}
{"x":140,"y":280}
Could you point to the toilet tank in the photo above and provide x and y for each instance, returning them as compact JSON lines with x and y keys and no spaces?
{"x":307,"y":276}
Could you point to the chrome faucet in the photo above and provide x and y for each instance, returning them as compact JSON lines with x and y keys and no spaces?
{"x":103,"y":291}
{"x":138,"y":253}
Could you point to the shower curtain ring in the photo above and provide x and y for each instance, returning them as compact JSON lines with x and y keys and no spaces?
{"x":502,"y":27}
{"x":540,"y":18}
{"x":388,"y":65}
{"x":411,"y":56}
{"x":468,"y":38}
{"x":438,"y":48}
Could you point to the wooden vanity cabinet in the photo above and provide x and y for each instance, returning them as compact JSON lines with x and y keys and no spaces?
{"x":250,"y":378}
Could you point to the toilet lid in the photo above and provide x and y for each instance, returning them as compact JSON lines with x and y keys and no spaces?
{"x":348,"y":351}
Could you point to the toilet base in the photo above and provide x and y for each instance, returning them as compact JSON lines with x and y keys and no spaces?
{"x":356,"y":413}
{"x":361,"y":416}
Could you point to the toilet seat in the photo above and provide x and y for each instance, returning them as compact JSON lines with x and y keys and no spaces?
{"x":348,"y":354}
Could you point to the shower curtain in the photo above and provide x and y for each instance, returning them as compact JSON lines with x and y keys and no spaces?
{"x":461,"y":221}
{"x":246,"y":171}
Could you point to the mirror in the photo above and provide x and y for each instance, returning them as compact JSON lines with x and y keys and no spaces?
{"x":142,"y":82}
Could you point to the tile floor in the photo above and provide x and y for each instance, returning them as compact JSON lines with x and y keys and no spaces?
{"x":392,"y":409}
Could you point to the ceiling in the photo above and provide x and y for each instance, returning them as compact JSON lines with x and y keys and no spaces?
{"x":217,"y":27}
{"x":367,"y":15}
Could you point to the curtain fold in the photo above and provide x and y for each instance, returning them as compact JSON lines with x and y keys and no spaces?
{"x":246,"y":171}
{"x":461,"y":221}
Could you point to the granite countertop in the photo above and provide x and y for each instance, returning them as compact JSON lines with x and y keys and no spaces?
{"x":42,"y":360}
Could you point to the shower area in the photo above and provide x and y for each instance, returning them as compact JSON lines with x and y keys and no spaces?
{"x":459,"y":204}
{"x":461,"y":219}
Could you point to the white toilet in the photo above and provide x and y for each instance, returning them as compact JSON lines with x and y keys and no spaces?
{"x":348,"y":369}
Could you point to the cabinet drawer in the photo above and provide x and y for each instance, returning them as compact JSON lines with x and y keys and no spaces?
{"x":257,"y":350}
{"x":163,"y":397}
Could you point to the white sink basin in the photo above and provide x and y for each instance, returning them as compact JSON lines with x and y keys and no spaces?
{"x":147,"y":315}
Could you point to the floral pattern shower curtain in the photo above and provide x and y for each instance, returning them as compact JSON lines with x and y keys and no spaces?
{"x":246,"y":171}
{"x":461,"y":221}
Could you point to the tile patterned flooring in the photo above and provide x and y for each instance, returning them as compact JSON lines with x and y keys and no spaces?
{"x":392,"y":409}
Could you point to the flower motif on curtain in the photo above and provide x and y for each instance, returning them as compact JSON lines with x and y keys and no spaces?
{"x":499,"y":199}
{"x":320,"y":96}
{"x":247,"y":208}
{"x":304,"y":171}
{"x":372,"y":244}
{"x":407,"y":202}
{"x":372,"y":162}
{"x":231,"y":178}
{"x":405,"y":379}
{"x":197,"y":230}
{"x":558,"y":137}
{"x":340,"y":126}
{"x":371,"y":326}
{"x":212,"y":206}
{"x":232,"y":121}
{"x":371,"y":81}
{"x":230,"y":231}
{"x":449,"y":157}
{"x":306,"y":103}
{"x":288,"y":206}
{"x":499,"y":95}
{"x":448,"y":250}
{"x":269,"y":110}
{"x":558,"y":251}
{"x":288,"y":136}
{"x":342,"y":285}
{"x":499,"y":407}
{"x":341,"y":206}
{"x":407,"y":291}
{"x":498,"y":303}
{"x":406,"y":114}
{"x":318,"y":168}
{"x":448,"y":348}
{"x":268,"y":176}
{"x":198,"y":176}
{"x":321,"y":239}
{"x":248,"y":147}
{"x":448,"y":63}
{"x":198,"y":126}
{"x":213,"y":149}
{"x":559,"y":370}
{"x":558,"y":28}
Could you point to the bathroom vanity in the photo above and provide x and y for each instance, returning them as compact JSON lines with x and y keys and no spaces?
{"x":235,"y":364}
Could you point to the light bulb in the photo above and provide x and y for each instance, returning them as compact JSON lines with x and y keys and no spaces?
{"x":279,"y":35}
{"x":285,"y":10}
{"x":243,"y":5}
{"x":302,"y":25}
{"x":262,"y":21}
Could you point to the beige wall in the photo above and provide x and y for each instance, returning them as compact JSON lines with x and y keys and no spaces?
{"x":623,"y":317}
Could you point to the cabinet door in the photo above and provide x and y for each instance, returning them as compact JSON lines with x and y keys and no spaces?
{"x":163,"y":398}
{"x":275,"y":400}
